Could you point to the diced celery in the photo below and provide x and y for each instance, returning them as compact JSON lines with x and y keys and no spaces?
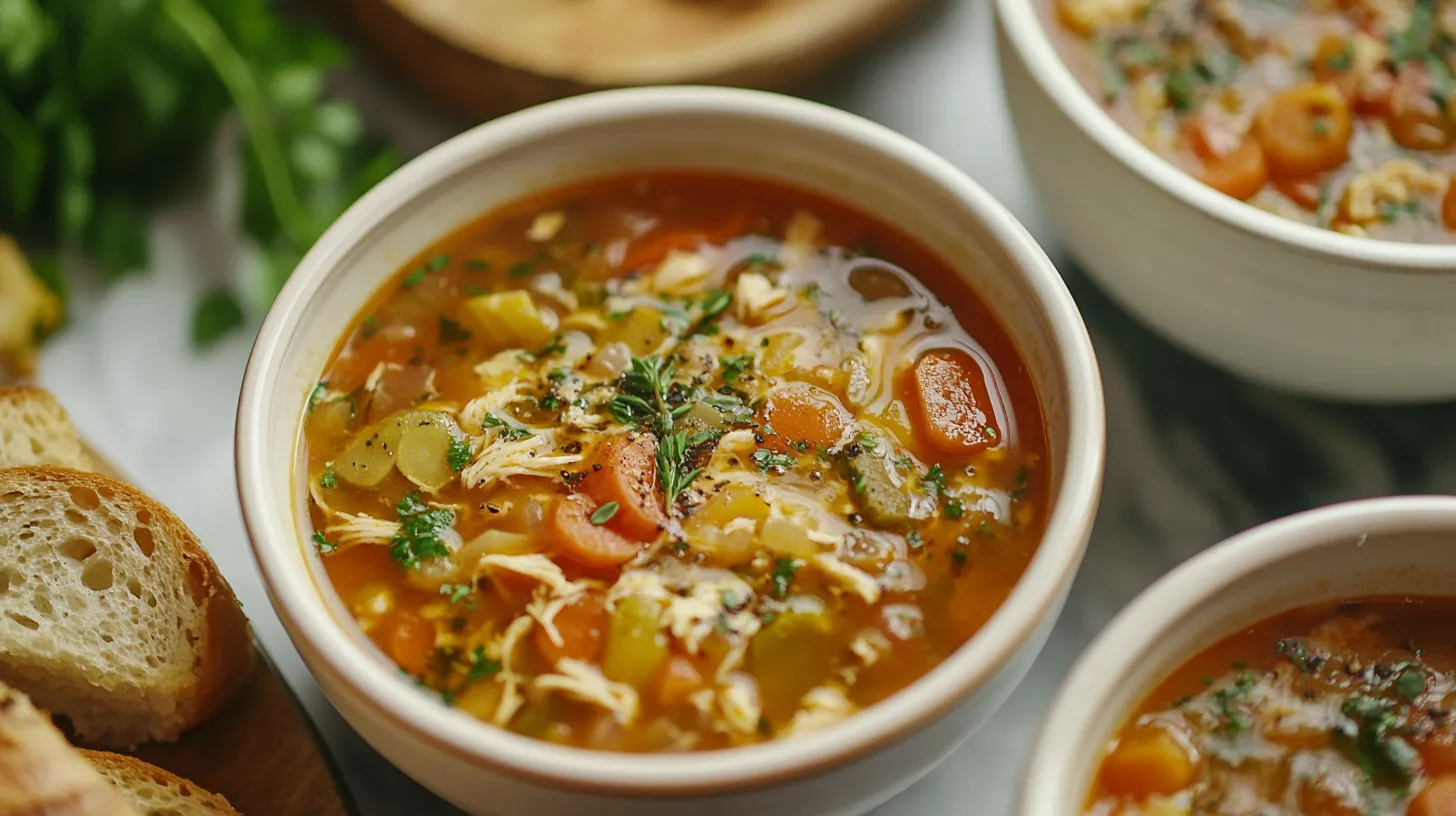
{"x":635,"y":648}
{"x":791,"y":655}
{"x":511,"y":319}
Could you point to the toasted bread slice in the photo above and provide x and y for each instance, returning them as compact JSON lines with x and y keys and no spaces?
{"x":35,"y":430}
{"x":155,"y":792}
{"x":40,"y":773}
{"x":111,"y":615}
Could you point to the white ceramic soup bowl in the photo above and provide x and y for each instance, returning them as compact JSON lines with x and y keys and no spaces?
{"x":844,"y":769}
{"x":1403,"y":546}
{"x":1283,"y":303}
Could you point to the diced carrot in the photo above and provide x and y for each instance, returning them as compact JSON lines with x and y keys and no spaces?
{"x":1233,"y":164}
{"x":1448,"y":206}
{"x":678,"y":679}
{"x":801,"y":414}
{"x":1148,"y":762}
{"x":950,"y":391}
{"x":1438,"y":754}
{"x":1305,"y":192}
{"x":582,"y":625}
{"x":657,"y":244}
{"x":408,"y":639}
{"x":593,"y":546}
{"x":624,"y":470}
{"x":1437,"y":798}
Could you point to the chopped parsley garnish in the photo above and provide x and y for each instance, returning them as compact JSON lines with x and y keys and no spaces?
{"x":521,"y":270}
{"x":867,"y":441}
{"x":458,"y":455}
{"x":604,"y":514}
{"x":413,"y":279}
{"x":329,"y":479}
{"x":1181,"y":85}
{"x":933,"y":481}
{"x":477,"y":265}
{"x":768,"y":460}
{"x":1296,"y":653}
{"x":456,"y":592}
{"x":1368,"y":741}
{"x":800,"y":445}
{"x":641,"y":394}
{"x":1341,"y":60}
{"x":1410,"y":684}
{"x":672,"y":461}
{"x":1419,"y":36}
{"x":954,"y":509}
{"x":1225,"y":699}
{"x":451,"y":331}
{"x":550,"y":402}
{"x":904,"y":463}
{"x":316,"y":394}
{"x":507,"y":431}
{"x":860,"y":483}
{"x":1391,"y":211}
{"x":557,"y":374}
{"x":782,"y":576}
{"x":420,"y":527}
{"x":735,"y":367}
{"x":324,"y":545}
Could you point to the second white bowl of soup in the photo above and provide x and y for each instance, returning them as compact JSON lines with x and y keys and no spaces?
{"x":1338,"y":277}
{"x":639,"y":424}
{"x":1305,"y":666}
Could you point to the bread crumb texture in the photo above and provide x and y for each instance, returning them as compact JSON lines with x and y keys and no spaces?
{"x":35,"y":430}
{"x":111,"y":616}
{"x":155,"y":792}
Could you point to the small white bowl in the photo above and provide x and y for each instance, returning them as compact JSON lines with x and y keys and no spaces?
{"x":1402,"y":546}
{"x":1284,"y":303}
{"x":843,"y":769}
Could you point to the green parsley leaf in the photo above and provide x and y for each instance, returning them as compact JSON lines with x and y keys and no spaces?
{"x":324,"y":545}
{"x":456,"y":592}
{"x":458,"y":455}
{"x":451,"y":331}
{"x":954,"y":509}
{"x":933,"y":482}
{"x":419,"y":534}
{"x":329,"y":479}
{"x":604,"y":514}
{"x":507,"y":431}
{"x":1410,"y":684}
{"x":316,"y":394}
{"x":782,"y":577}
{"x":768,"y":460}
{"x":735,"y":367}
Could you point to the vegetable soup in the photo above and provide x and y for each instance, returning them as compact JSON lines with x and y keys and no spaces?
{"x":1337,"y":113}
{"x":1326,"y":711}
{"x":674,"y":461}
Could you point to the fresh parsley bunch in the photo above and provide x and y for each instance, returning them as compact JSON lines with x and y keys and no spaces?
{"x":107,"y":105}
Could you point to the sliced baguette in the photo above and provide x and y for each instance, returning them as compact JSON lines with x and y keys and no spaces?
{"x":155,"y":792}
{"x":111,"y":615}
{"x":35,"y":430}
{"x":40,"y":773}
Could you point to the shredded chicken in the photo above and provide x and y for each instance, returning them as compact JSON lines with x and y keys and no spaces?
{"x":503,"y":649}
{"x":584,"y":682}
{"x":681,"y":274}
{"x":500,"y":459}
{"x":823,"y":705}
{"x":755,"y":295}
{"x":855,"y":580}
{"x":349,"y":529}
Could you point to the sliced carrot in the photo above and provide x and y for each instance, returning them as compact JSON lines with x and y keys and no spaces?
{"x":1237,"y":169}
{"x":582,"y":626}
{"x":802,"y":415}
{"x":624,"y":470}
{"x":659,"y":243}
{"x":1305,"y":129}
{"x":678,"y":679}
{"x":593,"y":546}
{"x":1415,"y":119}
{"x":1437,"y":798}
{"x":1305,"y":192}
{"x":408,"y":639}
{"x":950,"y":391}
{"x":1438,"y":754}
{"x":1148,"y":762}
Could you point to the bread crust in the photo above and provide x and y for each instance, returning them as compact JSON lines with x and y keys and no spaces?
{"x":42,"y":775}
{"x":125,"y":772}
{"x":19,"y":395}
{"x":227,"y":655}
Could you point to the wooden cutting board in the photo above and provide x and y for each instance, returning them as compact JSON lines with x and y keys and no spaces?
{"x":484,"y":58}
{"x":261,"y":751}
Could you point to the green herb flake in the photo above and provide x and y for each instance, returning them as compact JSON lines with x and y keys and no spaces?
{"x":507,"y":431}
{"x":458,"y":454}
{"x":960,"y":557}
{"x":735,"y":367}
{"x":477,"y":265}
{"x":437,"y":263}
{"x":329,"y":478}
{"x":521,"y":270}
{"x":456,"y":593}
{"x":413,"y":279}
{"x":1410,"y":684}
{"x":420,"y":529}
{"x":954,"y":509}
{"x":767,"y":460}
{"x":604,"y":514}
{"x":322,"y":543}
{"x":316,"y":394}
{"x":451,"y":331}
{"x":933,"y":482}
{"x":782,"y":577}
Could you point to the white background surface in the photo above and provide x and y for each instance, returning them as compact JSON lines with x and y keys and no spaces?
{"x":133,"y":385}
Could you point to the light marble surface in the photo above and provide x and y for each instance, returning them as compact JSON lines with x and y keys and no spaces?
{"x":1193,"y":454}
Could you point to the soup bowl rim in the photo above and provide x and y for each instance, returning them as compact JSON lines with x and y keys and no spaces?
{"x":1161,"y":612}
{"x":1024,"y":25}
{"x":275,"y":537}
